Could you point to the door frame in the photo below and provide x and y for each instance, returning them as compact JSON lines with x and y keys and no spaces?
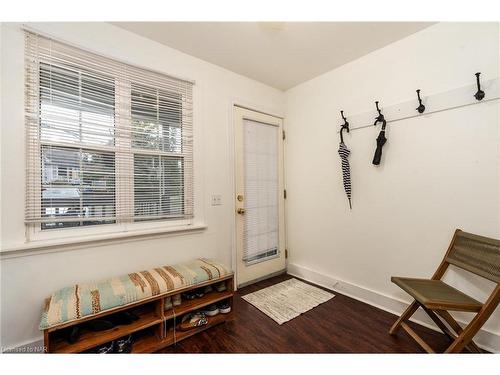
{"x":232,"y":167}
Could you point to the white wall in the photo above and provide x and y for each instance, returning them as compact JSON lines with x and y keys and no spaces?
{"x":27,"y":280}
{"x":438,"y":172}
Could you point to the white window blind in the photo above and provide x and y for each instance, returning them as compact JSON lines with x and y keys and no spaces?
{"x":106,"y":142}
{"x":260,"y":228}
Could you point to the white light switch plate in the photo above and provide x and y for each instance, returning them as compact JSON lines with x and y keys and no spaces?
{"x":216,"y":200}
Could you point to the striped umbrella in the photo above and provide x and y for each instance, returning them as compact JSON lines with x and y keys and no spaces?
{"x":346,"y":170}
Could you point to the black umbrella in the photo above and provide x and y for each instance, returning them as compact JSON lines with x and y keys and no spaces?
{"x":344,"y":153}
{"x":381,"y":139}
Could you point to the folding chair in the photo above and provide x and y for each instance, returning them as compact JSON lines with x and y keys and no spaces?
{"x":476,"y":254}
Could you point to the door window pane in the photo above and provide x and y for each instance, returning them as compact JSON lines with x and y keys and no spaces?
{"x":260,"y":230}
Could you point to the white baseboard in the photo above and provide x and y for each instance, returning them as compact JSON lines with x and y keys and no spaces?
{"x":485,"y":339}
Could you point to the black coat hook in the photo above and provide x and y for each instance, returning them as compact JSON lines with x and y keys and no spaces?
{"x":345,"y":126}
{"x":421,"y":107}
{"x":479,"y":95}
{"x":380,"y":117}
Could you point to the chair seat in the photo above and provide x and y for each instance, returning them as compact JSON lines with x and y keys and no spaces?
{"x":437,"y":295}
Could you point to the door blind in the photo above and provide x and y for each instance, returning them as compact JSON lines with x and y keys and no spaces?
{"x":260,"y":229}
{"x":106,"y":142}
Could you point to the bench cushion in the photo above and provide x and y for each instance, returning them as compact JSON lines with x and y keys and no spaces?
{"x":81,"y":300}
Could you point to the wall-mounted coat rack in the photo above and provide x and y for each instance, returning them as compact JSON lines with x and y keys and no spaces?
{"x":456,"y":98}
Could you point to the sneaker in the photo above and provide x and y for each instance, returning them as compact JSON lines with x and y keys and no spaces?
{"x":123,"y":345}
{"x":208,"y":289}
{"x":220,"y":287}
{"x":123,"y":318}
{"x":168,"y":303}
{"x":210,"y":310}
{"x":176,"y":300}
{"x":106,"y":348}
{"x":224,"y":308}
{"x":199,"y":293}
{"x":133,"y":315}
{"x":189,"y":295}
{"x":193,"y":320}
{"x":72,"y":334}
{"x":99,"y":325}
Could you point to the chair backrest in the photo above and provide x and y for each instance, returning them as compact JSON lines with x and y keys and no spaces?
{"x":476,"y":254}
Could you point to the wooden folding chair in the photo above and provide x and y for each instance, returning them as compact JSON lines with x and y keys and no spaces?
{"x":476,"y":254}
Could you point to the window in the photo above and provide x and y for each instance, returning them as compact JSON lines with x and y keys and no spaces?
{"x":158,"y":187}
{"x":107,"y":143}
{"x":78,"y":185}
{"x":158,"y":174}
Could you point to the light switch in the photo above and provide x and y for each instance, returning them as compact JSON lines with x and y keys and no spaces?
{"x":216,"y":200}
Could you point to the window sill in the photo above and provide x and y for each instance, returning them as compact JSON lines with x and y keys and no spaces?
{"x":50,"y":246}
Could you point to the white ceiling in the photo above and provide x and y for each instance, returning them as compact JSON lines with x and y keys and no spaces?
{"x":279,"y":54}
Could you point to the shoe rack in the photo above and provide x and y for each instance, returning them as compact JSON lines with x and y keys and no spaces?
{"x":154,"y":328}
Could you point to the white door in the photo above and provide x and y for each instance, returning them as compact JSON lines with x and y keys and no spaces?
{"x":259,"y":195}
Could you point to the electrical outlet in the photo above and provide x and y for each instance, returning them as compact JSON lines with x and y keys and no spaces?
{"x":216,"y":200}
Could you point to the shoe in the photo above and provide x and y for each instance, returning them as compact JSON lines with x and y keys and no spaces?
{"x":199,"y":293}
{"x":210,"y":310}
{"x":123,"y":345}
{"x":189,"y":296}
{"x":106,"y":348}
{"x":71,"y":334}
{"x":220,"y":287}
{"x":193,"y":320}
{"x":176,"y":300}
{"x":168,"y":303}
{"x":74,"y":335}
{"x":168,"y":326}
{"x":123,"y":318}
{"x":208,"y":289}
{"x":224,"y":308}
{"x":100,"y":325}
{"x":133,"y":315}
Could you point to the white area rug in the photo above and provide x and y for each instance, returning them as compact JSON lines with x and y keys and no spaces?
{"x":287,"y":300}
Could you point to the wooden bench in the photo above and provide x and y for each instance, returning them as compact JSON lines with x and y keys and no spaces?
{"x":156,"y":326}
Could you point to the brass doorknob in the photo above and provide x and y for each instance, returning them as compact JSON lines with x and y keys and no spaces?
{"x":241,"y":211}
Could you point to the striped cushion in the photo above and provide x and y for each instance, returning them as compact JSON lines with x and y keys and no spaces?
{"x":77,"y":301}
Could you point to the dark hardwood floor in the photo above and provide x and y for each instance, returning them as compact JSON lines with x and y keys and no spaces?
{"x":341,"y":325}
